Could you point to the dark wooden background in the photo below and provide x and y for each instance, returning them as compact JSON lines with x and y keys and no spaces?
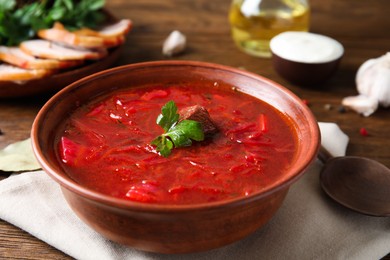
{"x":363,"y":27}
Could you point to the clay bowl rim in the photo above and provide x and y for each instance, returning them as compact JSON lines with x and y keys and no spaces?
{"x":74,"y":187}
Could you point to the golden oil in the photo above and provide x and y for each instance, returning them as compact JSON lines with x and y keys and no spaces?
{"x":255,"y":22}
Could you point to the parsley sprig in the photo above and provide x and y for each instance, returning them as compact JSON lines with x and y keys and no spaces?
{"x":176,"y":134}
{"x":20,"y":23}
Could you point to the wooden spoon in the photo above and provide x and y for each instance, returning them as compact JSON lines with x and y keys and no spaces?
{"x":358,"y":183}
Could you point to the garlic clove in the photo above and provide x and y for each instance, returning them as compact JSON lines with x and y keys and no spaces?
{"x":338,"y":148}
{"x":174,"y":44}
{"x":361,"y":104}
{"x":373,"y":79}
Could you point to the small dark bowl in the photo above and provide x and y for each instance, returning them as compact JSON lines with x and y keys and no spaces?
{"x":305,"y":74}
{"x":174,"y":228}
{"x":310,"y":69}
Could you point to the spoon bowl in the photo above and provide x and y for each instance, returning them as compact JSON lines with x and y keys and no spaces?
{"x":358,"y":183}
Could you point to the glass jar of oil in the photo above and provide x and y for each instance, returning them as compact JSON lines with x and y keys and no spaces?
{"x":255,"y":22}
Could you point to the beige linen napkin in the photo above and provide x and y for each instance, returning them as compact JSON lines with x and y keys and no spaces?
{"x":308,"y":225}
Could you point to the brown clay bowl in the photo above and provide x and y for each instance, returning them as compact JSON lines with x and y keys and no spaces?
{"x":173,"y":228}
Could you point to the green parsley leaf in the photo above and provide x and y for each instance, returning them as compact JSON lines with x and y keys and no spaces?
{"x":163,"y":145}
{"x":186,"y":130}
{"x":6,"y":5}
{"x":176,"y":134}
{"x":20,"y":23}
{"x":168,"y":116}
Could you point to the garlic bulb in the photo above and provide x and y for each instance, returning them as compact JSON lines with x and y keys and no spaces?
{"x":373,"y":85}
{"x":373,"y":79}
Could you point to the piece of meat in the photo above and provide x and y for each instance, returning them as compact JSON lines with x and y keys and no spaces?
{"x":19,"y":58}
{"x":12,"y":73}
{"x":119,"y":28}
{"x":49,"y":50}
{"x":201,"y":115}
{"x":107,"y":37}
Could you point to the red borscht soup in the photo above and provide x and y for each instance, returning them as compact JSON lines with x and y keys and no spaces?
{"x":105,"y":145}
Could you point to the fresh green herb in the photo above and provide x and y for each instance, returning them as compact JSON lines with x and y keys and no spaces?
{"x":176,"y":134}
{"x":20,"y":23}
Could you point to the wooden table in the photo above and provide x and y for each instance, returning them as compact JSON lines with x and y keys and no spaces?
{"x":362,"y":27}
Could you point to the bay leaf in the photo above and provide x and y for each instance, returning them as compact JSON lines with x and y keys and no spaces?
{"x":18,"y":157}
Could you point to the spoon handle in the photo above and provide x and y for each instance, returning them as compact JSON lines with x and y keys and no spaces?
{"x":324,"y":155}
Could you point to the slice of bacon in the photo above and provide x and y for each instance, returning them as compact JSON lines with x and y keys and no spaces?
{"x":119,"y":28}
{"x":12,"y":73}
{"x":19,"y":58}
{"x":107,"y":37}
{"x":49,"y":50}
